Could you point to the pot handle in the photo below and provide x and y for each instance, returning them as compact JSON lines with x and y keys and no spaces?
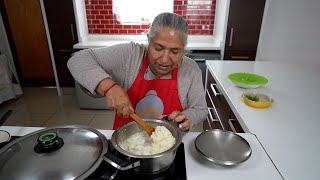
{"x":119,"y":163}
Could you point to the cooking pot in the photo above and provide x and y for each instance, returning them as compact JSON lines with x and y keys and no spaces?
{"x":143,"y":163}
{"x":75,"y":152}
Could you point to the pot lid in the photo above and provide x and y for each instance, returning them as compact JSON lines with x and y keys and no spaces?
{"x":223,"y":147}
{"x":70,"y":152}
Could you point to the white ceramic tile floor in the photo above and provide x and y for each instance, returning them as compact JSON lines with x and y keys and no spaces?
{"x":42,"y":107}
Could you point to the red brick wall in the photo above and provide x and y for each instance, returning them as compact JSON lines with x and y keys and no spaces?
{"x":199,"y":15}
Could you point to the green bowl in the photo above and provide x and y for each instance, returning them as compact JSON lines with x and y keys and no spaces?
{"x":247,"y":80}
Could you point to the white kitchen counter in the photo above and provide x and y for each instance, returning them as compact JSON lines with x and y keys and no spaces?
{"x":258,"y":166}
{"x":288,"y":130}
{"x":199,"y":45}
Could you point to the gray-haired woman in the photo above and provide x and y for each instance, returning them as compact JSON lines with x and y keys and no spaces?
{"x":158,"y":77}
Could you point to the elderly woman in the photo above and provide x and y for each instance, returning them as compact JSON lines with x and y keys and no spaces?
{"x":152,"y":81}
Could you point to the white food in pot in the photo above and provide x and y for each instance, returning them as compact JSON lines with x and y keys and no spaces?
{"x":141,"y":144}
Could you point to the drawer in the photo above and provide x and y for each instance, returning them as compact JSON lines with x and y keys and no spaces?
{"x":212,"y":122}
{"x":233,"y":124}
{"x":216,"y":100}
{"x":220,"y":114}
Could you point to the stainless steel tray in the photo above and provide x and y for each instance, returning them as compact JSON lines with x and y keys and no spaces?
{"x":223,"y":147}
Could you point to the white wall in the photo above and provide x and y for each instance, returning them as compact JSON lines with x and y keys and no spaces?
{"x":81,"y":19}
{"x":221,"y":13}
{"x":291,"y":32}
{"x":220,"y":22}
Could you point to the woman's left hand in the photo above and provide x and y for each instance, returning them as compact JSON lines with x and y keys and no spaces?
{"x":180,"y":118}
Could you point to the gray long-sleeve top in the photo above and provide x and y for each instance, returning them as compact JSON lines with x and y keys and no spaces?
{"x":122,"y":63}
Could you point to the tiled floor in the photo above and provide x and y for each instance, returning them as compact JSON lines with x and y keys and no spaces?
{"x":39,"y":107}
{"x":43,"y":107}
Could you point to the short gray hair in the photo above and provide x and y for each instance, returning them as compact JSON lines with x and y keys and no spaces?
{"x":169,"y":20}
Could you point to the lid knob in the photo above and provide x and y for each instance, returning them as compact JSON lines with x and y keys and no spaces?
{"x":48,"y":142}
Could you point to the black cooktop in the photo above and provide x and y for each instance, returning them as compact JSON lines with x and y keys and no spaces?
{"x":177,"y":170}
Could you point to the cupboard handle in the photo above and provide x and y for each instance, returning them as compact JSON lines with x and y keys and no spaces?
{"x":67,"y":50}
{"x":231,"y":37}
{"x":239,"y":57}
{"x":231,"y":126}
{"x":214,"y":90}
{"x":208,"y":120}
{"x":72,"y":32}
{"x":218,"y":118}
{"x":215,"y":110}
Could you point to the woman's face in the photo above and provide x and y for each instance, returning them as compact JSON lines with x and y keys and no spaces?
{"x":165,"y":51}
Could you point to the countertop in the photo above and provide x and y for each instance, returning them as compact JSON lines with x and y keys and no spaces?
{"x":288,"y":130}
{"x":258,"y":166}
{"x":205,"y":45}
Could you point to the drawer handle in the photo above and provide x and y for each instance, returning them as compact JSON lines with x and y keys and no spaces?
{"x":214,"y":109}
{"x":214,"y":90}
{"x":231,"y":125}
{"x":72,"y":32}
{"x":67,"y":50}
{"x":231,"y":37}
{"x":218,"y":118}
{"x":208,"y":120}
{"x":239,"y":57}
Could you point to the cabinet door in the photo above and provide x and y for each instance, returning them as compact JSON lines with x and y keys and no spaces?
{"x":63,"y":34}
{"x":243,"y":29}
{"x":23,"y":23}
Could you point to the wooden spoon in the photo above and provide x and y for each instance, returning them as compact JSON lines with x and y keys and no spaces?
{"x":140,"y":121}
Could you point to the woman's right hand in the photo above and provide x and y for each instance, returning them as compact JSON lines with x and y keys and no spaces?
{"x":116,"y":97}
{"x":118,"y":100}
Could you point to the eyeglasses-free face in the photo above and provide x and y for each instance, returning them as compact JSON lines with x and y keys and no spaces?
{"x":165,"y":51}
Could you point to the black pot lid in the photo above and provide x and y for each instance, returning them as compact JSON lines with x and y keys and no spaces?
{"x":70,"y":152}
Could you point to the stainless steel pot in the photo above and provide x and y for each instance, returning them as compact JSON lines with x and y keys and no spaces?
{"x":143,"y":163}
{"x":75,"y":152}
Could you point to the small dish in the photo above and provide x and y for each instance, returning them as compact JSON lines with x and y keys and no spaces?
{"x":247,"y":80}
{"x":4,"y":136}
{"x":257,"y":100}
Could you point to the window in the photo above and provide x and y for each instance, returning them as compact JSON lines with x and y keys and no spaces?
{"x":115,"y":17}
{"x":125,"y":14}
